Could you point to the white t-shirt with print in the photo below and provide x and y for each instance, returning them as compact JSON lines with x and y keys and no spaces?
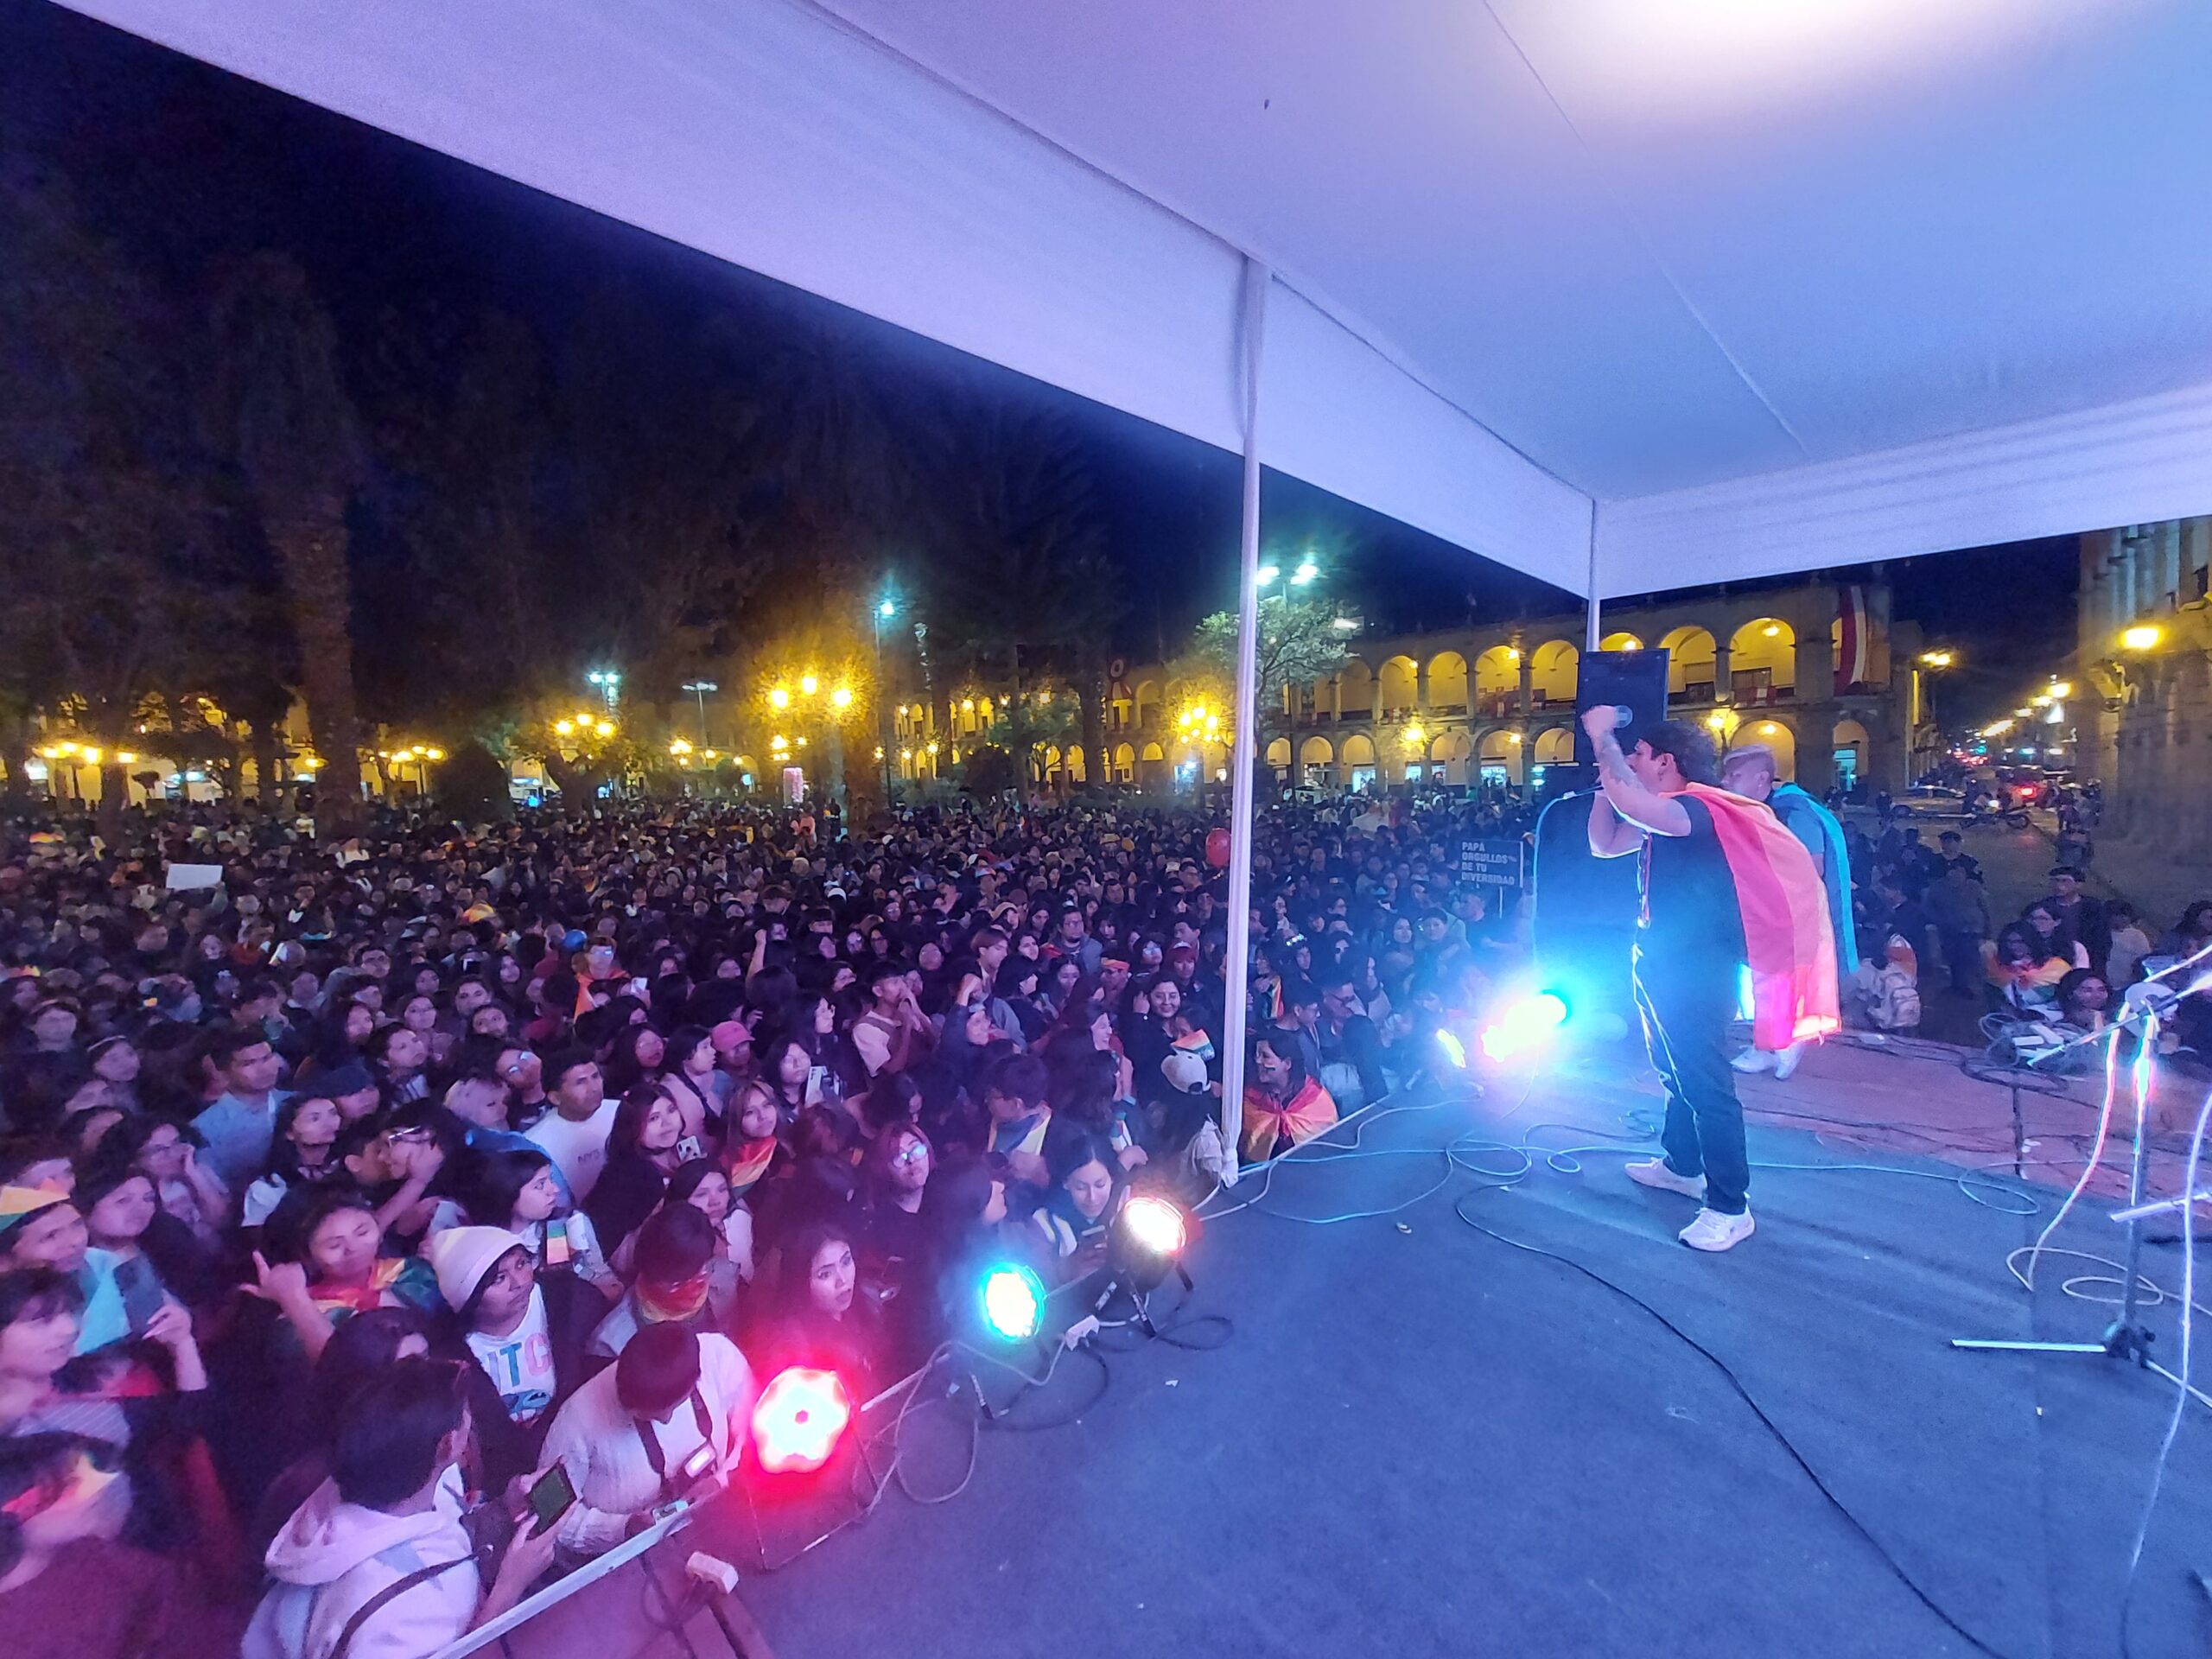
{"x":578,"y":1149}
{"x":520,"y":1364}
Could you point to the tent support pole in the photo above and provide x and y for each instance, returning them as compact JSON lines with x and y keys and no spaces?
{"x":1245,"y":736}
{"x":1591,"y":626}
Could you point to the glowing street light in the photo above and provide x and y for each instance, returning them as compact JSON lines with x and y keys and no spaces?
{"x":1304,"y":572}
{"x":887,"y":610}
{"x":808,"y":685}
{"x":699,"y":689}
{"x":609,"y":683}
{"x":2143,"y":635}
{"x":778,"y":698}
{"x":842,"y":697}
{"x":1937,"y":659}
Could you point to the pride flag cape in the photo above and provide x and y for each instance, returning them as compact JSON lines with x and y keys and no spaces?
{"x":1788,"y":940}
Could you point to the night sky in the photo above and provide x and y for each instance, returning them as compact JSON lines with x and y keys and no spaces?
{"x":183,"y":162}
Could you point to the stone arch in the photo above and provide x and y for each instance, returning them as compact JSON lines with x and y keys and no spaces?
{"x":1447,"y":682}
{"x":1691,"y":652}
{"x":1497,"y":680}
{"x":1279,"y":752}
{"x":1501,"y":748}
{"x":1454,"y":750}
{"x":1148,"y":705}
{"x":1153,"y":751}
{"x":1854,"y":748}
{"x":1620,"y":642}
{"x":1316,"y":751}
{"x":1762,"y":662}
{"x":1400,"y":687}
{"x":1125,"y":763}
{"x":1356,"y":688}
{"x":1359,"y":751}
{"x":1554,"y":668}
{"x":1555,"y":745}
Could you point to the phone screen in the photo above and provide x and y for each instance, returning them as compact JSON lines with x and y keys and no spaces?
{"x":550,"y":1499}
{"x":699,"y":1462}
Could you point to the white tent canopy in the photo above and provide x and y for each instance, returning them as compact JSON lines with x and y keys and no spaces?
{"x":1745,"y":287}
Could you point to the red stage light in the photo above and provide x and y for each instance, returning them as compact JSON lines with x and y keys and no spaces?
{"x":799,"y":1419}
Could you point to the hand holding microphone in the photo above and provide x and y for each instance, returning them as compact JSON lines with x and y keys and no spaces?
{"x":1603,"y":717}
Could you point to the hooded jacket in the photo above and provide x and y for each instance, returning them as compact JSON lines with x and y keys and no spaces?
{"x":332,"y":1557}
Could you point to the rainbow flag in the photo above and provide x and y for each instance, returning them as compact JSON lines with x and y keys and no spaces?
{"x":1789,"y":942}
{"x":747,"y":1163}
{"x":1198,"y":1043}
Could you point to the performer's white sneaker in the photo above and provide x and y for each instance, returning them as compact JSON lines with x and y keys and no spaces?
{"x":1653,"y":1172}
{"x":1785,"y":1064}
{"x":1754,"y":1059}
{"x":1711,"y":1231}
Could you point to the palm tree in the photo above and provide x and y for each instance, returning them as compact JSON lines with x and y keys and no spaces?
{"x":281,"y":410}
{"x":1023,"y":588}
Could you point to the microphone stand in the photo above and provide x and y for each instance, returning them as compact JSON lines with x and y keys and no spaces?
{"x":2126,"y":1337}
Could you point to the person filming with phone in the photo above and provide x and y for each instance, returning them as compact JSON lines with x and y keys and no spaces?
{"x":665,"y":1419}
{"x":378,"y":1564}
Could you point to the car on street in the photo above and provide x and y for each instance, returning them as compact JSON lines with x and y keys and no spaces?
{"x":1932,"y":801}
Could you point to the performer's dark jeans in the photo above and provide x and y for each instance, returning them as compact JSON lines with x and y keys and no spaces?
{"x":1685,"y":1014}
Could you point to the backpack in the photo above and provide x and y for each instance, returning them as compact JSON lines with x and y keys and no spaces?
{"x":286,"y":1616}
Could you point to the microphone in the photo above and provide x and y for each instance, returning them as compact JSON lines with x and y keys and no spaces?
{"x":1623,"y":715}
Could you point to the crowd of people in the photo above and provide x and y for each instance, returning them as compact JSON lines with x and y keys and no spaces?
{"x":2054,"y":970}
{"x":343,"y":1199}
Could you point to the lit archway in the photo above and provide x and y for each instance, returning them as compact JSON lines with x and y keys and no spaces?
{"x":1125,"y":763}
{"x":1555,"y":746}
{"x":1399,"y":689}
{"x":1762,"y":663}
{"x":1447,"y":682}
{"x":1854,"y":751}
{"x":1314,"y":756}
{"x":1498,"y":679}
{"x":1620,"y":642}
{"x":1691,"y":656}
{"x":1455,"y":751}
{"x":1500,"y":759}
{"x":1078,"y":764}
{"x":1356,"y":689}
{"x":1358,"y":751}
{"x":1552,"y":670}
{"x":1279,"y":752}
{"x":1148,"y":705}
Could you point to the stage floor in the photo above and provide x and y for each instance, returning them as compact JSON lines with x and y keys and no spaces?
{"x":1419,"y":1440}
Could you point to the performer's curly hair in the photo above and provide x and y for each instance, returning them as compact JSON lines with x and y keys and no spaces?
{"x":1696,"y":756}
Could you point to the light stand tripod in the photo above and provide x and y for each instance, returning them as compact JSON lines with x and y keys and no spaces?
{"x":2126,"y":1337}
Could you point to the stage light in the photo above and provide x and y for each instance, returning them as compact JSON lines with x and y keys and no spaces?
{"x":1454,"y":1050}
{"x":1153,"y":1225}
{"x":799,"y":1419}
{"x":1524,"y":1024}
{"x":1013,"y":1303}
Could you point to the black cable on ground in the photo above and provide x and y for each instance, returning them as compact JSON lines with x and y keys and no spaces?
{"x":1781,"y":1439}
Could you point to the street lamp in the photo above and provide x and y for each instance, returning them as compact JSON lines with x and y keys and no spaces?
{"x":699,"y":689}
{"x":609,"y":683}
{"x":886,"y":608}
{"x":1304,"y":572}
{"x":2143,"y":635}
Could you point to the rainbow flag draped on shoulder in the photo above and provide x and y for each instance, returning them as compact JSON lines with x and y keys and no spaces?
{"x":1789,"y":942}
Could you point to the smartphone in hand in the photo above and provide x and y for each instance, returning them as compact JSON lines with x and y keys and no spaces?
{"x":550,"y":1498}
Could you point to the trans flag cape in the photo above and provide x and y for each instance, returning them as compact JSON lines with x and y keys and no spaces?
{"x":1811,"y":823}
{"x":1788,"y":941}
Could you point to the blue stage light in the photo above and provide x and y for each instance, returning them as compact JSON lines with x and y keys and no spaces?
{"x":1523,"y":1024}
{"x":1013,"y":1303}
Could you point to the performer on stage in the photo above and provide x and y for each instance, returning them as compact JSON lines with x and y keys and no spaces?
{"x":1749,"y":771}
{"x":1721,"y":883}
